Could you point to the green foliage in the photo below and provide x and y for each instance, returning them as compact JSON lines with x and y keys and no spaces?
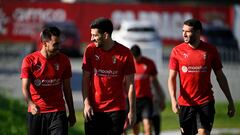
{"x":13,"y":118}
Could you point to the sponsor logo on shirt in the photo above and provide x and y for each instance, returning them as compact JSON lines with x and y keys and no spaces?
{"x":97,"y":57}
{"x":37,"y":82}
{"x":184,"y":69}
{"x":47,"y":82}
{"x":108,"y":73}
{"x":194,"y":69}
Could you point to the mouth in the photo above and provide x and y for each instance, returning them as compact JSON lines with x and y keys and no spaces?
{"x":57,"y":48}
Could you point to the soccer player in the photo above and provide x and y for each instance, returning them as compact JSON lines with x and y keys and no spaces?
{"x":106,"y":64}
{"x":45,"y":78}
{"x":145,"y":77}
{"x":194,"y":60}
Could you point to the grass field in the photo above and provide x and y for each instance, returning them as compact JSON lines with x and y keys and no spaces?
{"x":13,"y":118}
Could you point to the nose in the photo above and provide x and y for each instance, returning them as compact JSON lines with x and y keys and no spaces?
{"x":92,"y":38}
{"x":184,"y":33}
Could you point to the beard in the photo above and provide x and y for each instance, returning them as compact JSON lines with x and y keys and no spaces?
{"x":99,"y":43}
{"x":190,"y":40}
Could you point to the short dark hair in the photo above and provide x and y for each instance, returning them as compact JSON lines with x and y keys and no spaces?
{"x":136,"y":51}
{"x":48,"y":32}
{"x":103,"y":25}
{"x":196,"y":24}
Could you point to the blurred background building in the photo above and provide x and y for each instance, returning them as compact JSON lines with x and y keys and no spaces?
{"x":22,"y":20}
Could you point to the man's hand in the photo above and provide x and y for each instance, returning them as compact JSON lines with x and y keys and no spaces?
{"x":231,"y":110}
{"x":71,"y":119}
{"x":131,"y":120}
{"x":87,"y":112}
{"x":33,"y":108}
{"x":162,"y":105}
{"x":175,"y":107}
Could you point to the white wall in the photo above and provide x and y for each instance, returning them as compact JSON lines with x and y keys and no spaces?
{"x":236,"y":27}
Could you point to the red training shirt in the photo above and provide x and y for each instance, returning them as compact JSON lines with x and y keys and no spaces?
{"x":194,"y":67}
{"x":46,"y":76}
{"x":107,"y":70}
{"x":144,"y":69}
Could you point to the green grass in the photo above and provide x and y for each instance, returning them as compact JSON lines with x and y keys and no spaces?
{"x":13,"y":118}
{"x":221,"y":118}
{"x":170,"y":120}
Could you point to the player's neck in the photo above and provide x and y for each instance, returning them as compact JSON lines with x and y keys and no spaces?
{"x":47,"y":54}
{"x":195,"y":44}
{"x":138,"y":58}
{"x":108,"y":45}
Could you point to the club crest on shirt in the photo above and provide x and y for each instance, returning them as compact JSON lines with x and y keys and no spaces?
{"x":114,"y":59}
{"x":96,"y":57}
{"x":56,"y":65}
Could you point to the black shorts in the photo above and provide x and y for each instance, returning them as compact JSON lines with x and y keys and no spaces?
{"x":54,"y":123}
{"x":192,"y":118}
{"x":106,"y":123}
{"x":144,"y":109}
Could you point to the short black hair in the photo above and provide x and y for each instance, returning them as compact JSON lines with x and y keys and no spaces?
{"x":136,"y":51}
{"x":195,"y":23}
{"x":103,"y":25}
{"x":48,"y":32}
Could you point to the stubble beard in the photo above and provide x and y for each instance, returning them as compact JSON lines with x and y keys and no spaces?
{"x":98,"y":45}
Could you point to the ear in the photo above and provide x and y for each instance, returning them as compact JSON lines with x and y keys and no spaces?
{"x":105,"y":35}
{"x":44,"y":43}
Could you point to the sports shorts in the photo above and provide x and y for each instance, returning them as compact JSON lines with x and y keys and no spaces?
{"x":192,"y":118}
{"x":54,"y":123}
{"x":144,"y":108}
{"x":106,"y":123}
